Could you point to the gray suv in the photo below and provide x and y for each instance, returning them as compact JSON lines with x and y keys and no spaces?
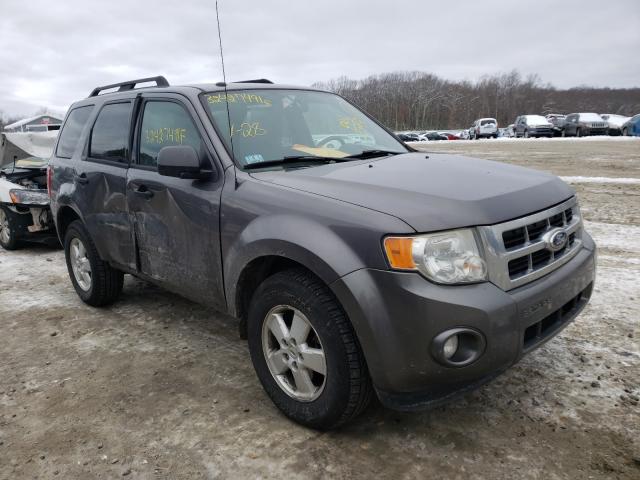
{"x":355,"y":265}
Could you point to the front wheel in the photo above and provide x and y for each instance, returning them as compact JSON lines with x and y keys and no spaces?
{"x":8,"y":229}
{"x":526,"y":134}
{"x":305,"y":352}
{"x":625,"y":132}
{"x":578,"y":132}
{"x":94,"y":280}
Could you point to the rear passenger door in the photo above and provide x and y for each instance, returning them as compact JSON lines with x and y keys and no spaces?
{"x":100,"y":179}
{"x":175,"y":220}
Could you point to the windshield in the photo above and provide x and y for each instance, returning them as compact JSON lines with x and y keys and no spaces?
{"x":271,"y":125}
{"x":536,"y":120}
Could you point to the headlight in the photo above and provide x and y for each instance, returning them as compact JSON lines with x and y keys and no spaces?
{"x":29,"y":197}
{"x":448,"y":257}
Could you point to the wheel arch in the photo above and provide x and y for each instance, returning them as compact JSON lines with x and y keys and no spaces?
{"x":64,"y":217}
{"x":251,"y":277}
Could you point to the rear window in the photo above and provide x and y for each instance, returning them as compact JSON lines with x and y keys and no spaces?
{"x":488,"y":121}
{"x":73,"y":127}
{"x":110,"y":133}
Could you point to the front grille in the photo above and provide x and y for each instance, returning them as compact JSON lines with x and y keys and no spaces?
{"x":539,"y":331}
{"x":599,"y":125}
{"x":517,"y":237}
{"x":518,"y":251}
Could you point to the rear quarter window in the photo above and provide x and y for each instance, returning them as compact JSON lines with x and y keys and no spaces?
{"x":110,"y":133}
{"x":72,"y":130}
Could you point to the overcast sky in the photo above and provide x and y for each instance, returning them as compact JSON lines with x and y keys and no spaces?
{"x":53,"y":52}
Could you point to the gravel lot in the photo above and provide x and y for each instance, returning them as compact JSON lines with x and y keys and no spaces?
{"x":159,"y":387}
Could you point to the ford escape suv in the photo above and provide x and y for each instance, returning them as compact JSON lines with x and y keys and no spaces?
{"x":355,"y":265}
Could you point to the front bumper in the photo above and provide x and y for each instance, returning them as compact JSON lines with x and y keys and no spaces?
{"x":396,"y":316}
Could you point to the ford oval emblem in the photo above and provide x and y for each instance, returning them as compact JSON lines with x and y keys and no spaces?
{"x":556,"y":240}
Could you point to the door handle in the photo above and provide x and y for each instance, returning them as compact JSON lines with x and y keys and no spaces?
{"x":82,"y":178}
{"x":142,"y":191}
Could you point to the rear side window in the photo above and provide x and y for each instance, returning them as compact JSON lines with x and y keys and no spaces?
{"x":110,"y":133}
{"x":165,"y":124}
{"x":73,"y":127}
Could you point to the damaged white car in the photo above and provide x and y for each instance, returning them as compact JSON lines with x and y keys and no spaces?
{"x":24,"y":202}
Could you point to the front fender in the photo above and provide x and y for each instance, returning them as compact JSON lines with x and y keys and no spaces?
{"x":293,"y":237}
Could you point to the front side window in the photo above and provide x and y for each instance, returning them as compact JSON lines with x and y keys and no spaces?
{"x":110,"y":133}
{"x":73,"y":127}
{"x":271,"y":125}
{"x":165,"y":124}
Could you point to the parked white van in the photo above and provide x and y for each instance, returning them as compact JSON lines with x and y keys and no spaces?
{"x":484,"y":128}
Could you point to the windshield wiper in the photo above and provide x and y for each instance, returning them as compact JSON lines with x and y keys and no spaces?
{"x":293,"y":159}
{"x":373,"y":153}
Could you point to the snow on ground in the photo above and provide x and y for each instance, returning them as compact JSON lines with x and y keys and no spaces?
{"x":615,"y":236}
{"x":621,"y":180}
{"x":595,"y":138}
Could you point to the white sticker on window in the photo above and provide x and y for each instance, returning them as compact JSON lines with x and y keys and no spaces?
{"x":256,"y":158}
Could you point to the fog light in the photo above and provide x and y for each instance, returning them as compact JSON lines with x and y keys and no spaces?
{"x":458,"y":347}
{"x":450,"y":346}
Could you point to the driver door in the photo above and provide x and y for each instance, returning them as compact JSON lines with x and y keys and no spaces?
{"x":175,"y":220}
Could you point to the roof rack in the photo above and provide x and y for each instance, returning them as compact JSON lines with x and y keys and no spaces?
{"x":259,"y":80}
{"x":131,"y":84}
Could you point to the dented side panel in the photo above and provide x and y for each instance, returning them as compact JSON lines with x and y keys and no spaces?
{"x":177,"y":236}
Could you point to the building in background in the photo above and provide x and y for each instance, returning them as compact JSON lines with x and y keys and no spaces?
{"x":40,"y":123}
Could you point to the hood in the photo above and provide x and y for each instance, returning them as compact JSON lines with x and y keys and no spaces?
{"x":431,"y":192}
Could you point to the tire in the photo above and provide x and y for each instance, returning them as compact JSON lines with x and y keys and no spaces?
{"x":345,"y":389}
{"x":578,"y":132}
{"x":564,"y":133}
{"x":102,"y":284}
{"x":9,"y":238}
{"x":625,"y":132}
{"x":526,"y":134}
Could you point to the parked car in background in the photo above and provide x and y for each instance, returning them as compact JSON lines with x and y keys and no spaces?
{"x":408,"y":137}
{"x":615,"y":122}
{"x":507,"y":132}
{"x":584,"y":124}
{"x":450,"y":136}
{"x":484,"y":128}
{"x":557,"y":120}
{"x":24,"y":203}
{"x":433,"y":136}
{"x":631,"y":127}
{"x":533,"y":126}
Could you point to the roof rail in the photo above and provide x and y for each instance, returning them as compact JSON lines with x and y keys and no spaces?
{"x":259,"y":80}
{"x":131,"y":84}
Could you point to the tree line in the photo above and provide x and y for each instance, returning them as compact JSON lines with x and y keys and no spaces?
{"x":423,"y":101}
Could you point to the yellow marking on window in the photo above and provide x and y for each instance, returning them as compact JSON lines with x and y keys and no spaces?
{"x":246,"y":98}
{"x":165,"y":135}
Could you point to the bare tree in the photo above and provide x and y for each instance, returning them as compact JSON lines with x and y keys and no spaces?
{"x":422,"y":101}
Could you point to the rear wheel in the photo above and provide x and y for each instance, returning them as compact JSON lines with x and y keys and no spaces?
{"x":94,"y":280}
{"x":8,"y":229}
{"x":305,"y":352}
{"x":578,"y":132}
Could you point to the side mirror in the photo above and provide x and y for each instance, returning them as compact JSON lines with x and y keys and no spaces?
{"x":181,"y":161}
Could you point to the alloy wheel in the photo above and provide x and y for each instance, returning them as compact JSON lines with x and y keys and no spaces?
{"x":80,"y":264}
{"x":5,"y":232}
{"x":293,"y":353}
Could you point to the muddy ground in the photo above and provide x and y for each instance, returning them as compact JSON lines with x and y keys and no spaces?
{"x":159,"y":387}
